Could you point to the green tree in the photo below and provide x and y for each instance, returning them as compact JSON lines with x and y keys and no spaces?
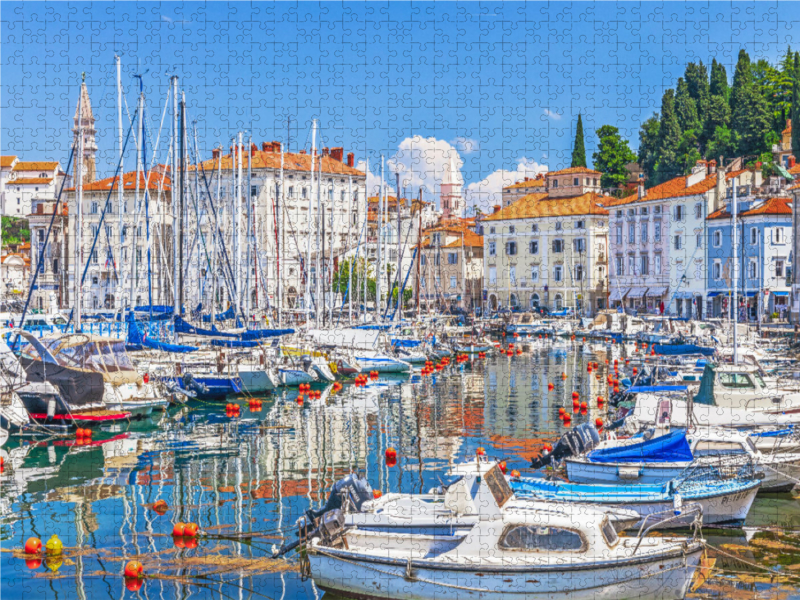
{"x":15,"y":230}
{"x":796,"y":106}
{"x":648,"y":147}
{"x":613,"y":153}
{"x":750,"y":120}
{"x":719,"y":80}
{"x":721,"y":143}
{"x":579,"y":148}
{"x":360,"y":269}
{"x":719,"y":115}
{"x":685,"y":107}
{"x":669,"y":139}
{"x":688,"y":153}
{"x":742,"y":80}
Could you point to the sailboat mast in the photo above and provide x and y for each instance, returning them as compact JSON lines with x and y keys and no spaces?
{"x":120,"y":185}
{"x":79,"y":215}
{"x":278,"y":239}
{"x":364,"y":260}
{"x":379,"y":263}
{"x":735,"y":300}
{"x":399,"y":303}
{"x":176,"y":310}
{"x":181,"y":197}
{"x":238,"y":226}
{"x":310,"y":209}
{"x":350,"y":289}
{"x":214,"y":274}
{"x":137,"y":201}
{"x":252,"y":258}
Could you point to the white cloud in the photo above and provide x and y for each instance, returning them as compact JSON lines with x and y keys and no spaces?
{"x":421,"y":163}
{"x":374,"y":177}
{"x":466,"y":145}
{"x":552,"y":115}
{"x":488,"y":192}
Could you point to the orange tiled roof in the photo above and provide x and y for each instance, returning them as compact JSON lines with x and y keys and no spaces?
{"x":526,"y":183}
{"x":773,"y":206}
{"x":128,"y":181}
{"x":30,"y":180}
{"x":540,"y":205}
{"x":674,"y":188}
{"x":795,"y":169}
{"x":471,"y":240}
{"x":572,"y":170}
{"x":7,"y":161}
{"x":36,"y":165}
{"x":291,"y":162}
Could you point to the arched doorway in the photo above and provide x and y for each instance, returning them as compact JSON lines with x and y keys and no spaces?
{"x":109,"y":301}
{"x":559,"y":302}
{"x":535,"y":301}
{"x":493,"y":302}
{"x":291,"y":297}
{"x":513,"y":301}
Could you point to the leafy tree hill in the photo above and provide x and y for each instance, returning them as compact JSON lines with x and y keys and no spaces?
{"x":704,"y":117}
{"x":15,"y":231}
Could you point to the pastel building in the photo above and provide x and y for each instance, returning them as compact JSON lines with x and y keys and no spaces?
{"x":764,"y":231}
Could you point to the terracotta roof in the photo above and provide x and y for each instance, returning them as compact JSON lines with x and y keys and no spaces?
{"x":795,"y":169}
{"x":129,"y":182}
{"x":7,"y":161}
{"x":674,"y":188}
{"x":572,"y":170}
{"x":291,"y":162}
{"x":540,"y":205}
{"x":471,"y":239}
{"x":526,"y":183}
{"x":36,"y":165}
{"x":773,"y":206}
{"x":30,"y":180}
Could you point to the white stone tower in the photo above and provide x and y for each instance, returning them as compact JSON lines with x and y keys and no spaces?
{"x":89,"y":143}
{"x":451,"y":201}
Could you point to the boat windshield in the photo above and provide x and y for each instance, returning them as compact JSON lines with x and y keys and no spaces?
{"x":609,"y":533}
{"x":101,"y":356}
{"x":759,"y":379}
{"x":548,"y":539}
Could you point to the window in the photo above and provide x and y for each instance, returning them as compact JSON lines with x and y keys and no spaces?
{"x":491,"y":230}
{"x":644,"y":211}
{"x":558,"y":302}
{"x":620,"y":265}
{"x":511,"y":248}
{"x":436,"y":259}
{"x":631,"y":213}
{"x":534,"y":273}
{"x":342,"y":196}
{"x":304,"y":193}
{"x":94,"y":257}
{"x":558,"y":246}
{"x":580,"y":224}
{"x":555,"y":183}
{"x":698,"y":211}
{"x":678,"y":243}
{"x":678,"y":212}
{"x":716,"y":271}
{"x":512,"y":229}
{"x":753,"y":236}
{"x":644,"y":264}
{"x":576,"y":181}
{"x":40,"y":234}
{"x":619,"y":234}
{"x":533,"y":247}
{"x":657,"y":264}
{"x":656,"y":210}
{"x":492,"y":248}
{"x":93,"y":208}
{"x":453,"y":283}
{"x":534,"y":228}
{"x":778,"y":268}
{"x":422,"y":260}
{"x":778,"y":236}
{"x":752,"y":269}
{"x":619,"y":214}
{"x":578,"y":272}
{"x":657,"y":232}
{"x":492,"y":275}
{"x":512,"y":275}
{"x":540,"y":539}
{"x":644,"y":233}
{"x":631,"y":264}
{"x":55,"y":265}
{"x":631,"y":233}
{"x":291,"y":192}
{"x":699,"y":240}
{"x":558,"y":271}
{"x":558,"y":226}
{"x":579,"y":244}
{"x":735,"y":380}
{"x":452,"y":258}
{"x":253,"y":191}
{"x":717,"y":238}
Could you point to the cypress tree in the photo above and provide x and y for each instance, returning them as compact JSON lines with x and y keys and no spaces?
{"x":686,"y":107}
{"x":742,"y":80}
{"x":669,"y":138}
{"x":579,"y":148}
{"x":719,"y":80}
{"x":796,"y":107}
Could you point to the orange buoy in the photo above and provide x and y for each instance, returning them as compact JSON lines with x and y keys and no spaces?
{"x":480,"y":451}
{"x":33,"y":545}
{"x":502,"y":465}
{"x":178,"y":529}
{"x":161,"y":507}
{"x":33,"y":563}
{"x":134,"y":584}
{"x":190,"y":529}
{"x":575,"y":395}
{"x":134,"y":569}
{"x":515,"y":474}
{"x":598,"y":423}
{"x":376,"y":494}
{"x":550,"y":386}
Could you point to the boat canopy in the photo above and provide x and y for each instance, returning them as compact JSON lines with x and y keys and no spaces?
{"x":137,"y":341}
{"x":224,"y":316}
{"x":672,"y":447}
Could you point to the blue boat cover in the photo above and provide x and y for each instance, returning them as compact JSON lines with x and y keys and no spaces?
{"x":677,"y":349}
{"x":260,"y":334}
{"x":406,"y":343}
{"x":644,"y":389}
{"x":182,"y":326}
{"x":137,"y":341}
{"x":672,"y":447}
{"x":228,"y":314}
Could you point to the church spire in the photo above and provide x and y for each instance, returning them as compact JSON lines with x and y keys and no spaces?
{"x":84,"y":109}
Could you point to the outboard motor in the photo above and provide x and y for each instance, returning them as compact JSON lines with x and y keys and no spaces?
{"x":306,"y":362}
{"x":581,"y":439}
{"x":195,"y":386}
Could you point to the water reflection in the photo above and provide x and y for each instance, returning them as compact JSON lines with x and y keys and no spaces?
{"x":246,"y":481}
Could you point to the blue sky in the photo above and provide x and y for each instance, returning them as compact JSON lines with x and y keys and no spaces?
{"x":501,"y":82}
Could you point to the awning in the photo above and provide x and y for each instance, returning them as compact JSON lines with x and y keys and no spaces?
{"x":781,"y":294}
{"x":715,"y":294}
{"x":750,"y":294}
{"x":655,"y":292}
{"x":784,"y":173}
{"x":683,"y":295}
{"x":637,"y":292}
{"x":617,"y":294}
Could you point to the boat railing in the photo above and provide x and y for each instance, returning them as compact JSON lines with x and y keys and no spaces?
{"x":716,"y":470}
{"x":677,"y":514}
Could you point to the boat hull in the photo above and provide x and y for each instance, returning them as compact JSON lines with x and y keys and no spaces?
{"x":653,"y":577}
{"x":383,"y":364}
{"x":256,"y":382}
{"x":294,"y":377}
{"x":217,"y":387}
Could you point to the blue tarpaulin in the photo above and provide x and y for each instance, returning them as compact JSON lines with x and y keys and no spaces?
{"x":676,"y":349}
{"x":644,"y":389}
{"x":182,"y":326}
{"x":259,"y":334}
{"x":228,"y":314}
{"x":137,"y":341}
{"x":234,"y":343}
{"x":672,"y":447}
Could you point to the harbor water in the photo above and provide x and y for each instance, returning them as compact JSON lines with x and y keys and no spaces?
{"x":246,"y":480}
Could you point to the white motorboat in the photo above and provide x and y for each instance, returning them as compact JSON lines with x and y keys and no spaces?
{"x":529,"y":552}
{"x":257,"y":379}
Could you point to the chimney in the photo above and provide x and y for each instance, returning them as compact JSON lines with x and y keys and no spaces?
{"x":215,"y":153}
{"x":276,"y":147}
{"x":325,"y":151}
{"x":337,"y":154}
{"x":351,"y":159}
{"x":640,"y":189}
{"x":719,"y":200}
{"x":302,"y":151}
{"x":266,"y":147}
{"x":712,"y":166}
{"x":791,"y":161}
{"x":253,"y":149}
{"x":495,"y":209}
